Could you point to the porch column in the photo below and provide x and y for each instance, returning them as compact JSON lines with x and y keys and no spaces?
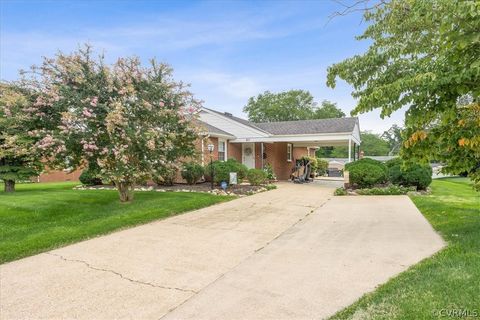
{"x":349,"y":149}
{"x":261,"y":153}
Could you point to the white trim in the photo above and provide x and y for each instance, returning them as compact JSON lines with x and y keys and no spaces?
{"x":228,"y":119}
{"x":217,"y":135}
{"x":225,"y":154}
{"x":350,"y":150}
{"x":291,"y":152}
{"x":299,"y":138}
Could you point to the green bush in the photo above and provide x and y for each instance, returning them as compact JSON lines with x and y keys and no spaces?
{"x":269,"y":172}
{"x":365,"y":173}
{"x":192,"y":172}
{"x":340,"y":192}
{"x":410,"y":175}
{"x":256,"y":177}
{"x":222,"y":170}
{"x":270,"y":187}
{"x":390,"y":190}
{"x":165,"y":176}
{"x":90,"y":177}
{"x":322,"y":166}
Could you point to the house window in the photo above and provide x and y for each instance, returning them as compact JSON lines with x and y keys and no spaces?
{"x":222,"y":150}
{"x":289,"y":152}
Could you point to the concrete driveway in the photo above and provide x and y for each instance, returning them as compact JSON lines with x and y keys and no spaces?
{"x":295,"y":252}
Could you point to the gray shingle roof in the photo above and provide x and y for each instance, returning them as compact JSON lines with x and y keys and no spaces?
{"x":334,"y":125}
{"x":211,"y":129}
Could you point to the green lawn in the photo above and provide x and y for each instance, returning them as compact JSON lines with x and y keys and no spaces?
{"x":43,"y":216}
{"x":450,"y":280}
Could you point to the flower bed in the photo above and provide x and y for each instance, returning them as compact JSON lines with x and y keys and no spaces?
{"x":234,"y":190}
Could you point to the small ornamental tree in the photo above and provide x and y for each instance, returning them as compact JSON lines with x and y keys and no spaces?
{"x":17,"y":161}
{"x":133,"y":121}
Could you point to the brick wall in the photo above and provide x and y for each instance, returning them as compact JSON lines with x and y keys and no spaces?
{"x":58,"y":176}
{"x":235,"y":151}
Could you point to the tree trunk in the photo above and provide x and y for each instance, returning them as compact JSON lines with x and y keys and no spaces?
{"x":9,"y":185}
{"x":125,"y":190}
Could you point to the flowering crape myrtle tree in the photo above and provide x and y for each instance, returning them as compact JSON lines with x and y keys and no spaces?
{"x":132,"y":121}
{"x":17,"y":161}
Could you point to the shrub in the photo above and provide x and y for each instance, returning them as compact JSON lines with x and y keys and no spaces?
{"x":322,"y":166}
{"x":256,"y":177}
{"x":390,"y":190}
{"x":269,"y":172}
{"x":192,"y":172}
{"x":340,"y":192}
{"x":410,"y":175}
{"x":90,"y":177}
{"x":270,"y":187}
{"x":165,"y":176}
{"x":366,"y":172}
{"x":222,"y":170}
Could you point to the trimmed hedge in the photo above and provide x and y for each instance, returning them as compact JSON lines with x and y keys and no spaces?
{"x":366,"y":173}
{"x":222,"y":170}
{"x":192,"y":172}
{"x":410,"y":175}
{"x":256,"y":177}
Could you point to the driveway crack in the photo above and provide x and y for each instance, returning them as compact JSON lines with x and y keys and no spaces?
{"x":88,"y":265}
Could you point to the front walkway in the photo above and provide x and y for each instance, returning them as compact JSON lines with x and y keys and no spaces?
{"x":294,"y":252}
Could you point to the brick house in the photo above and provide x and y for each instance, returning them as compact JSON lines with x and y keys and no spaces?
{"x":276,"y":143}
{"x":256,"y":144}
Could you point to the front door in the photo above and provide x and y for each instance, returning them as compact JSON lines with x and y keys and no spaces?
{"x":248,"y":154}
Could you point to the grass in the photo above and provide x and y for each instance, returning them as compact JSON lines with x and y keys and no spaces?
{"x":446,"y":283}
{"x":43,"y":216}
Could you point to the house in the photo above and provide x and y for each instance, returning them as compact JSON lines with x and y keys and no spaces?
{"x":276,"y":143}
{"x":279,"y":144}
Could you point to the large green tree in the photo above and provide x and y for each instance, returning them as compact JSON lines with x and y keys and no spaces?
{"x":289,"y":105}
{"x":18,"y":161}
{"x":133,"y":121}
{"x":372,"y":145}
{"x":425,"y":56}
{"x":394,"y":138}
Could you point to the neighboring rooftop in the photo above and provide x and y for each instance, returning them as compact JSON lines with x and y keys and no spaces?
{"x":334,"y":125}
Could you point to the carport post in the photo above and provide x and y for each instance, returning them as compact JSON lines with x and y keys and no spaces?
{"x":349,"y":149}
{"x":261,"y":153}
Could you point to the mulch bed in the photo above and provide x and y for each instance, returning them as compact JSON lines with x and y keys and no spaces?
{"x":239,"y":189}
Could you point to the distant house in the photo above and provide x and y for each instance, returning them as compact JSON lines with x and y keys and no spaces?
{"x":279,"y":144}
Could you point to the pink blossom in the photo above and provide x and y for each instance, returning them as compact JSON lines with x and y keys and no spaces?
{"x":94,"y":101}
{"x":161,"y":104}
{"x":87,"y":113}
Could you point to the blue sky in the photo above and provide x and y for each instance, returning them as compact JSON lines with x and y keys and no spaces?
{"x":227,"y":50}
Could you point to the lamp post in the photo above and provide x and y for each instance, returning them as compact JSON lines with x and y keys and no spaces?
{"x":210,"y":148}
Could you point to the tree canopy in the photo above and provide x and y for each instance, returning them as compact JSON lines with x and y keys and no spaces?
{"x":130,"y":120}
{"x":424,"y":55}
{"x":372,"y":145}
{"x":289,"y":105}
{"x":18,"y":161}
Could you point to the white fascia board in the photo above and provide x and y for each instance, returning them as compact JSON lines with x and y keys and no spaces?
{"x":260,"y":133}
{"x":300,"y":138}
{"x":217,"y":135}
